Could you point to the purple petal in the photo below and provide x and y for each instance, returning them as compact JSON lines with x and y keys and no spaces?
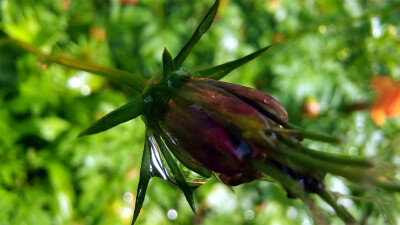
{"x":264,"y":99}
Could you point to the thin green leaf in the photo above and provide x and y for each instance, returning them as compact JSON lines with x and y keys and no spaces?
{"x":201,"y":29}
{"x":329,"y":198}
{"x":179,"y":178}
{"x":293,"y":128}
{"x":168,"y":63}
{"x":218,"y":72}
{"x":124,"y":113}
{"x":123,"y":77}
{"x":143,"y":180}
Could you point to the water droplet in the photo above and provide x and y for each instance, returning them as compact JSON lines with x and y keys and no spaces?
{"x":249,"y":214}
{"x":353,"y":150}
{"x":85,"y":90}
{"x":128,"y":197}
{"x":172,"y":214}
{"x":191,"y":22}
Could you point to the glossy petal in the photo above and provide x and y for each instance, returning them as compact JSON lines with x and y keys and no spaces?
{"x":223,"y":106}
{"x":208,"y":123}
{"x":243,"y":92}
{"x":184,"y":157}
{"x":191,"y":128}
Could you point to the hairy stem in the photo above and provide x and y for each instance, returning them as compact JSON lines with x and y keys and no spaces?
{"x":293,"y":187}
{"x":123,"y":77}
{"x":334,"y":158}
{"x":340,"y":210}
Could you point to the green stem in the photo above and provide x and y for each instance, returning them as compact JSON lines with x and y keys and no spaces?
{"x":353,"y":174}
{"x":295,"y":188}
{"x":338,"y":159}
{"x":291,"y":185}
{"x":123,"y":77}
{"x":340,"y":210}
{"x":388,"y":185}
{"x":314,"y":135}
{"x":357,"y":175}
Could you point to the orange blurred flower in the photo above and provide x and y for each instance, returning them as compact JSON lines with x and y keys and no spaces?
{"x":129,"y":1}
{"x":98,"y":33}
{"x":65,"y":5}
{"x":387,"y":103}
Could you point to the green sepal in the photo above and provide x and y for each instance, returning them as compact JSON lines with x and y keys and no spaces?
{"x":143,"y":180}
{"x":168,"y":64}
{"x":120,"y":115}
{"x":294,"y":187}
{"x":201,"y":29}
{"x":291,"y":128}
{"x":177,"y":173}
{"x":218,"y":72}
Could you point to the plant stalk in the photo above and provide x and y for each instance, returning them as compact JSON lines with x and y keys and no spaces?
{"x":340,"y":210}
{"x":123,"y":77}
{"x":294,"y":188}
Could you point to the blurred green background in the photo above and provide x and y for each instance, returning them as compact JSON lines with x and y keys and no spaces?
{"x":320,"y":69}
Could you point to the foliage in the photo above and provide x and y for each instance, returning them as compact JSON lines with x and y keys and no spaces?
{"x":326,"y":51}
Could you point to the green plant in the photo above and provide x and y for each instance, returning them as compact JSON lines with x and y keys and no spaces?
{"x":286,"y":160}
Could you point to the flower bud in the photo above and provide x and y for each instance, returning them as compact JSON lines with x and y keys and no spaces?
{"x":208,"y":120}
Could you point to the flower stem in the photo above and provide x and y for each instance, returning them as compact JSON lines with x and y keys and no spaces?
{"x":123,"y":77}
{"x":340,"y":210}
{"x":339,"y":159}
{"x":388,"y":185}
{"x":295,"y":188}
{"x":291,"y":185}
{"x":343,"y":160}
{"x":353,"y":174}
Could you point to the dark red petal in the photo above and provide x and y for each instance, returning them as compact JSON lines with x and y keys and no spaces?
{"x":223,"y":106}
{"x":242,"y":92}
{"x":192,"y":129}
